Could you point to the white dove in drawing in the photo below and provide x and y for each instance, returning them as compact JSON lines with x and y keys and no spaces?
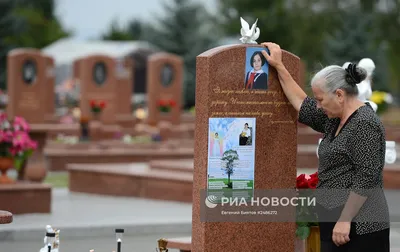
{"x":249,"y":36}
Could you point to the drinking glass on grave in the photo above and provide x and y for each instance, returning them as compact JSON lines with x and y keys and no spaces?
{"x":119,"y":233}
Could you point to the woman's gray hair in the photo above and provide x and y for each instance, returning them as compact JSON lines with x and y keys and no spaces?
{"x":332,"y":78}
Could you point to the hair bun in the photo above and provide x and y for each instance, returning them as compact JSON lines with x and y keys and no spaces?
{"x":354,"y":74}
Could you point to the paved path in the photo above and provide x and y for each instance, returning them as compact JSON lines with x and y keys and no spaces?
{"x":80,"y":215}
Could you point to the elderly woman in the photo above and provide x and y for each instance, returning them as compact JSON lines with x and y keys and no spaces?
{"x":352,"y":208}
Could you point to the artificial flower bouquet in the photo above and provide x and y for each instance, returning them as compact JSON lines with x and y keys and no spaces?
{"x":97,"y":106}
{"x":166,"y":105}
{"x":306,"y":218}
{"x":15,"y":142}
{"x":382,"y":100}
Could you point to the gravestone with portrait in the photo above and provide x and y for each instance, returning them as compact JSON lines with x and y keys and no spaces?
{"x":97,"y":78}
{"x":246,"y":141}
{"x":30,"y":85}
{"x":164,"y":88}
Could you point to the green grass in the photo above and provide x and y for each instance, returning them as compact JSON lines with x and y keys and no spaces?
{"x":57,"y":180}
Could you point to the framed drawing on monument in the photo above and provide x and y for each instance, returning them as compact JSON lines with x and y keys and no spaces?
{"x":256,"y":69}
{"x":231,"y":154}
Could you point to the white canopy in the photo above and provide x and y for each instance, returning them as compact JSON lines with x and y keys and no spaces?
{"x":67,"y":50}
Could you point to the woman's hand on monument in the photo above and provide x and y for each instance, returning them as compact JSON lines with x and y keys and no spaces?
{"x":274,"y":57}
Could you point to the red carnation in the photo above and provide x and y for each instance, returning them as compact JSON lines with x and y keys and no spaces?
{"x":102,"y":104}
{"x":313,"y":181}
{"x":302,"y":182}
{"x":172,"y":103}
{"x":92,"y":103}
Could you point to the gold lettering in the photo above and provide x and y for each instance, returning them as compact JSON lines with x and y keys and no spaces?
{"x":217,"y":114}
{"x":238,"y":97}
{"x":29,"y":101}
{"x":218,"y":102}
{"x":279,"y":103}
{"x":282,"y":122}
{"x":269,"y":114}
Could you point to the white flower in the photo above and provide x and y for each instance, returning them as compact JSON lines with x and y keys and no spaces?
{"x":74,"y":140}
{"x":127,"y":138}
{"x":388,"y":98}
{"x":6,"y":125}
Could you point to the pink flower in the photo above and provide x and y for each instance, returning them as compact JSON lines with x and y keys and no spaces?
{"x":20,"y":138}
{"x":23,"y":142}
{"x":13,"y":151}
{"x":20,"y":124}
{"x":31,"y":145}
{"x":6,"y":136}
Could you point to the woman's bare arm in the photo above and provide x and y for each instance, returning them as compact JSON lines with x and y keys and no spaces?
{"x":292,"y":90}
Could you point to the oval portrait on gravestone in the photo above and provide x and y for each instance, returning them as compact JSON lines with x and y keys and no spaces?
{"x":29,"y":72}
{"x":99,"y":73}
{"x":167,"y":75}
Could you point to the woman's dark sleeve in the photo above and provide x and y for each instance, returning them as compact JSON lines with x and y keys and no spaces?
{"x":312,"y":116}
{"x":367,"y":151}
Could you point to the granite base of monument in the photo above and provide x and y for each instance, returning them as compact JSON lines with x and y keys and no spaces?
{"x":134,"y":180}
{"x":58,"y":157}
{"x":25,"y":198}
{"x":184,"y":244}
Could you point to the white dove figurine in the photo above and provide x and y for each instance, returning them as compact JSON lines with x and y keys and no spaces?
{"x":249,"y":36}
{"x":364,"y":87}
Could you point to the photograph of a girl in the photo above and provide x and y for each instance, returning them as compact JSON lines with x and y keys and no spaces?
{"x":245,"y":135}
{"x":216,"y":146}
{"x":256,"y":70}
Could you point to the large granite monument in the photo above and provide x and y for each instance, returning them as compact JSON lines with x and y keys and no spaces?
{"x":241,"y":111}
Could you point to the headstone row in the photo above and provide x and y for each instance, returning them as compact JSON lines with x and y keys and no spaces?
{"x":31,"y":86}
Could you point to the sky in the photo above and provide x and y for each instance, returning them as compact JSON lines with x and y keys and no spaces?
{"x":90,"y":18}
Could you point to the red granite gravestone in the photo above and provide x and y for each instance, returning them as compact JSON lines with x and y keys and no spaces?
{"x":28,"y":85}
{"x":98,"y":81}
{"x":220,"y":93}
{"x":164,"y":87}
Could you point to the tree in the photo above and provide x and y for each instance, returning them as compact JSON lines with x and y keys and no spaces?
{"x":389,"y":27}
{"x":26,"y":23}
{"x":135,"y":28}
{"x":185,"y":30}
{"x":7,"y":26}
{"x":229,"y":157}
{"x":46,"y":7}
{"x":297,"y":26}
{"x":36,"y":31}
{"x":354,"y":40}
{"x":115,"y":32}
